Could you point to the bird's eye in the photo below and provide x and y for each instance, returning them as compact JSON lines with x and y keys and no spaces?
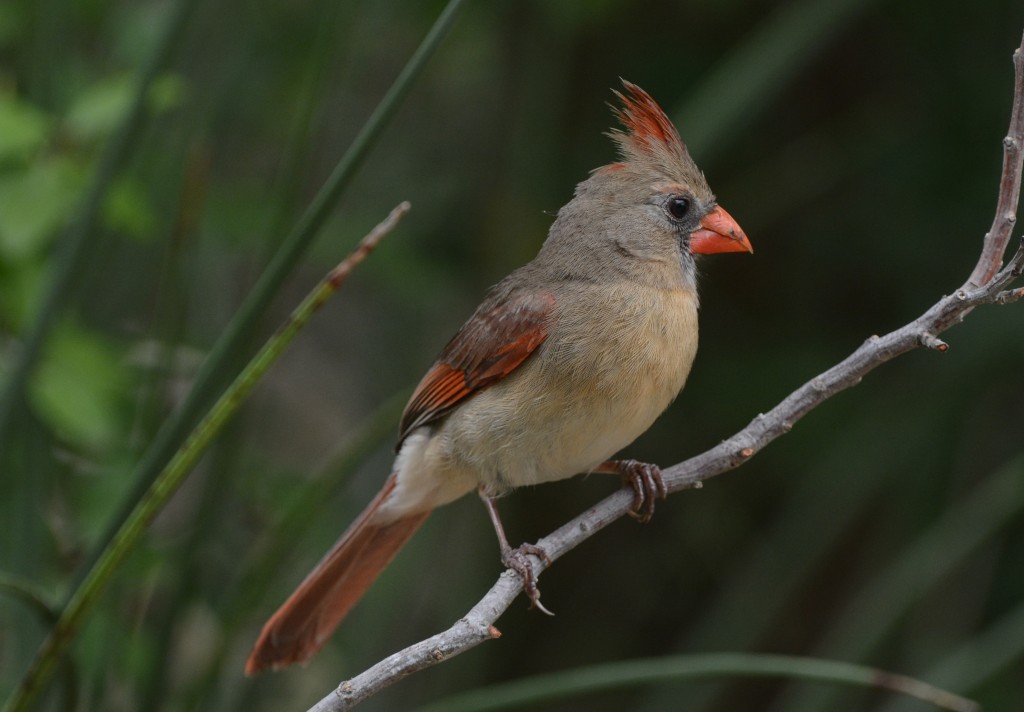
{"x":678,"y":206}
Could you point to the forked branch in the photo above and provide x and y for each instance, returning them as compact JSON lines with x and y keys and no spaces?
{"x":989,"y":283}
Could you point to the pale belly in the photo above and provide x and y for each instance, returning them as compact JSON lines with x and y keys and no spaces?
{"x":574,"y":404}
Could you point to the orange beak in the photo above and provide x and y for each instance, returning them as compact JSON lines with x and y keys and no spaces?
{"x":718,"y":233}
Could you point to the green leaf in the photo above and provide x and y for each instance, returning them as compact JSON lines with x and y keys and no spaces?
{"x":20,"y":289}
{"x":166,"y":92}
{"x":79,"y":388}
{"x":98,"y":110}
{"x":127,"y":210}
{"x":23,"y":128}
{"x":34,"y":204}
{"x":12,"y":23}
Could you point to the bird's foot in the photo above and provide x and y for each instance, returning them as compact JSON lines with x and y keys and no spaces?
{"x":647,"y":484}
{"x":518,"y":560}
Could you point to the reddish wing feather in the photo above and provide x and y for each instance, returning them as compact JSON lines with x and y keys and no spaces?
{"x":495,"y":340}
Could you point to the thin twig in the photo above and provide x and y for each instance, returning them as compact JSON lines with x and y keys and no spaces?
{"x":998,"y":235}
{"x":986,"y":285}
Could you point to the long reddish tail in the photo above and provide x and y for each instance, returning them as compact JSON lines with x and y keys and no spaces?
{"x":306,"y":620}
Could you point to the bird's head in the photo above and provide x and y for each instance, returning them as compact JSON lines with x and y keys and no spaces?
{"x":654,"y":204}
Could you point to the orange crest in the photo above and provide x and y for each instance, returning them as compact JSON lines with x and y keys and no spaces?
{"x":644,"y":119}
{"x":649,"y":139}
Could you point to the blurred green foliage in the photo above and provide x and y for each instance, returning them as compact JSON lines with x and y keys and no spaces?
{"x":857,"y":143}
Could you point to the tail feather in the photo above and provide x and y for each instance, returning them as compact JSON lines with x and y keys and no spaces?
{"x":306,"y":620}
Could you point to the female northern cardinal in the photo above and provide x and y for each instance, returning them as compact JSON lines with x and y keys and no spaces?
{"x":566,"y":362}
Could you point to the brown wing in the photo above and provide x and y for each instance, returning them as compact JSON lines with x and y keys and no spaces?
{"x":495,"y":340}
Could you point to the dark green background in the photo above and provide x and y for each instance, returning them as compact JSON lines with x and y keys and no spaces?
{"x":859,"y":145}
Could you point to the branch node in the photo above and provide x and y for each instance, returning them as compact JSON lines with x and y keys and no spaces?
{"x":1009,"y":296}
{"x":493,"y":632}
{"x":930,"y":341}
{"x":961,"y":295}
{"x":437,"y":654}
{"x":746,"y":452}
{"x":1018,"y":261}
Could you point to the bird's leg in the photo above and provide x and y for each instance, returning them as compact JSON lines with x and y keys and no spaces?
{"x":516,"y":559}
{"x":646,"y":481}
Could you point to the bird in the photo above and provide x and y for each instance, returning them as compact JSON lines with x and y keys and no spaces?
{"x":564,"y":363}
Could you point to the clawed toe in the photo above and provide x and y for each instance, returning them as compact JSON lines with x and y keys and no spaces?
{"x":648,"y":486}
{"x":518,"y":560}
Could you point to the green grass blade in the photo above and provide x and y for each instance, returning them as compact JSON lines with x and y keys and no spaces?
{"x":601,"y":678}
{"x":29,"y":594}
{"x":988,"y":654}
{"x":881,"y":604}
{"x":171,"y":477}
{"x":274,"y":550}
{"x":243,"y":323}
